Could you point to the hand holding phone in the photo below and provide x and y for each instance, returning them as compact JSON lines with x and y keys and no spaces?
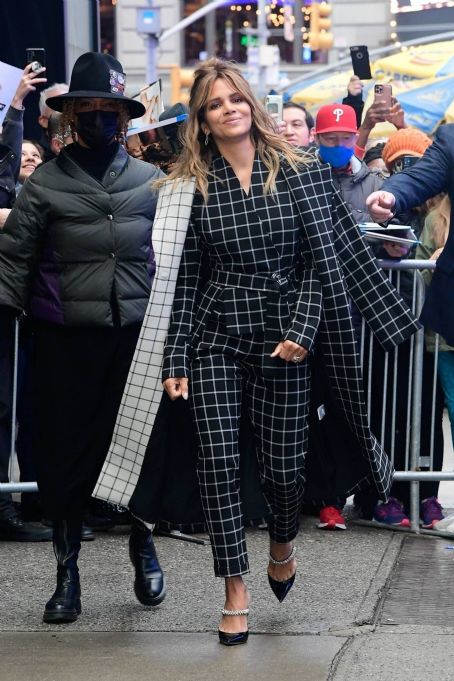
{"x":28,"y":83}
{"x":355,"y":86}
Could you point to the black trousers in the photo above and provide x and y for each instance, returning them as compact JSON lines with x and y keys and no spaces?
{"x":79,"y":378}
{"x":229,"y":372}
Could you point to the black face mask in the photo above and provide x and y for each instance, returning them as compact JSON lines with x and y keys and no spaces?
{"x":97,"y":128}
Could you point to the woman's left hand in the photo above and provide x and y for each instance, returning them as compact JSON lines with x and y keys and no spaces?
{"x":290,"y":351}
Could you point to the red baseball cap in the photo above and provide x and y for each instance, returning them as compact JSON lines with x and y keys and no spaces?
{"x":336,"y":118}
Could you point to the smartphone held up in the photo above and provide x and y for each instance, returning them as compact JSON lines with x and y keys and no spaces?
{"x":274,"y":106}
{"x":36,"y":56}
{"x":360,"y":61}
{"x":383,"y":94}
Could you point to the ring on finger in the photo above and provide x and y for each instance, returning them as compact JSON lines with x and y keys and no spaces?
{"x":297,"y":358}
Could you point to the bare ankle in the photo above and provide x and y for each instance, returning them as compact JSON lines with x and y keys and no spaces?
{"x":234,"y":586}
{"x":280,"y":551}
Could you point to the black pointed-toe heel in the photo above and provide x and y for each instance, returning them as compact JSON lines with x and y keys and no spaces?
{"x":280,"y":588}
{"x":233,"y":639}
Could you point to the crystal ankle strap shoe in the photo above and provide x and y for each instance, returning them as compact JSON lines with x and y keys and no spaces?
{"x":280,"y":588}
{"x":285,"y":560}
{"x":233,"y":639}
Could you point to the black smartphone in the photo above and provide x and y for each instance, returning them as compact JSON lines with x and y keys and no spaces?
{"x":404,"y":162}
{"x":360,"y":61}
{"x":37,"y":57}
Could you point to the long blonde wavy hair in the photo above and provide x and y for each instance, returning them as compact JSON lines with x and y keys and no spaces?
{"x":195,"y":159}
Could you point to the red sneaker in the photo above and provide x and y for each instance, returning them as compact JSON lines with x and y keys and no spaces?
{"x":331,"y":519}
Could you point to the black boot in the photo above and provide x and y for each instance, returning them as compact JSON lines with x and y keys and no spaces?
{"x":149,"y":584}
{"x":13,"y":528}
{"x":64,"y":606}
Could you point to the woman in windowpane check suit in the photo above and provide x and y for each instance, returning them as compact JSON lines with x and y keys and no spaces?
{"x":270,"y":253}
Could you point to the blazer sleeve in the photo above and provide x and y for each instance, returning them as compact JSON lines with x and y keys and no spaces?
{"x":430,"y":176}
{"x":178,"y":342}
{"x":20,"y":243}
{"x":304,"y":326}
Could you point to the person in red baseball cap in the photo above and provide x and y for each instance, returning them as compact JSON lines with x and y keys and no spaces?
{"x":336,"y":134}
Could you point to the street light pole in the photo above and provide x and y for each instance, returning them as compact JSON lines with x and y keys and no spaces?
{"x":151,"y":42}
{"x":152,"y":67}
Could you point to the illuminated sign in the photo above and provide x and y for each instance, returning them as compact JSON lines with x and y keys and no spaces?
{"x":418,"y":5}
{"x":249,"y":41}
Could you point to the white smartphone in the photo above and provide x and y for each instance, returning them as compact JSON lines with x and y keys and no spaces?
{"x":274,"y":106}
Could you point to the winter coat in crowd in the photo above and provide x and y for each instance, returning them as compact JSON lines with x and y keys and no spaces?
{"x":68,"y":244}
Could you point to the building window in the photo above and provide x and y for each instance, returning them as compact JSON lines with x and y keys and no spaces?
{"x":231,"y":34}
{"x":107,"y":25}
{"x":194,"y":34}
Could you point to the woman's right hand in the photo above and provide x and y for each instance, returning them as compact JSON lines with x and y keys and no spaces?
{"x":176,"y":387}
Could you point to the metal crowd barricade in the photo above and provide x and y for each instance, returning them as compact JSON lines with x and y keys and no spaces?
{"x":12,"y":486}
{"x":415,"y":460}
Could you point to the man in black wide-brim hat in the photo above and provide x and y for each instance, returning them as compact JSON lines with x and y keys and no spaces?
{"x":76,"y":254}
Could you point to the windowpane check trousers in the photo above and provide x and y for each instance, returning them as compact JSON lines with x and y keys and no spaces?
{"x":226,"y":370}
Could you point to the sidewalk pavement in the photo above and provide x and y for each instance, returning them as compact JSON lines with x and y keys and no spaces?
{"x":328,"y":628}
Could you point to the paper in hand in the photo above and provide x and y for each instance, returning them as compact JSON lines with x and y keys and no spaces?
{"x":399,"y":234}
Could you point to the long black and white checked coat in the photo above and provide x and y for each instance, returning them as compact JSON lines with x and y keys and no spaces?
{"x":344,"y":267}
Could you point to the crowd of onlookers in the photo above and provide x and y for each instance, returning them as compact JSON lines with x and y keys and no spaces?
{"x":341,"y":135}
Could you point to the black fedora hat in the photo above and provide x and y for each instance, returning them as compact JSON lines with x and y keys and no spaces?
{"x":97,"y":75}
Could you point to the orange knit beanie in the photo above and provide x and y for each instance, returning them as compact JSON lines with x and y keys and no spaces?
{"x":407,"y":141}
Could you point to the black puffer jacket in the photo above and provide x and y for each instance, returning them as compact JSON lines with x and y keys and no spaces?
{"x":78,"y":250}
